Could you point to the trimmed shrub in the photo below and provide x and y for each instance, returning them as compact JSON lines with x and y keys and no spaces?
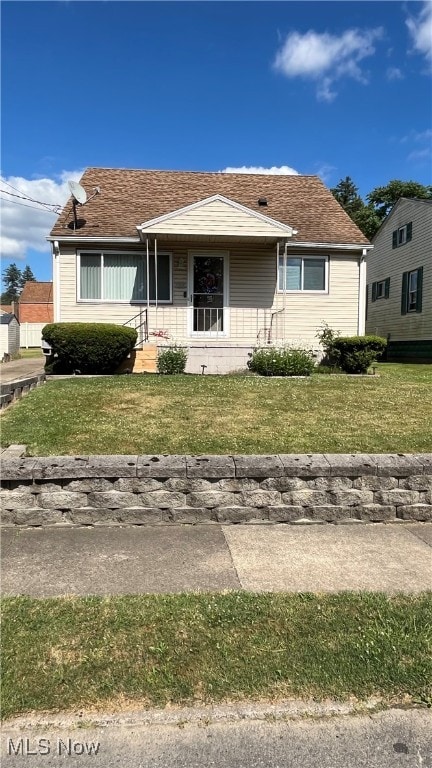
{"x":354,"y":354}
{"x":172,"y":359}
{"x":97,"y":348}
{"x":270,"y":361}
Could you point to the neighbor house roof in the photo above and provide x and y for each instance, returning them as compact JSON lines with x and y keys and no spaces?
{"x":36,"y":293}
{"x":6,"y":308}
{"x":129,"y":197}
{"x":7,"y":318}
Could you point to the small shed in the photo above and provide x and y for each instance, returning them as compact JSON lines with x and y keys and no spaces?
{"x":9,"y":335}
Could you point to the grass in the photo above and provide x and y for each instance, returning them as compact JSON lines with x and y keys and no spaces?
{"x":31,"y":352}
{"x":227,"y":414}
{"x":65,"y":653}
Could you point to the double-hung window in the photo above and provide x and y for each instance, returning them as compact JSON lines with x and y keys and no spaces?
{"x":303,"y":273}
{"x":116,"y":276}
{"x":412,"y":289}
{"x":402,"y":235}
{"x":381,"y":289}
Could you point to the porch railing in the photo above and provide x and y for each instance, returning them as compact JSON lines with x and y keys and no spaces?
{"x":250,"y":326}
{"x":140,"y":323}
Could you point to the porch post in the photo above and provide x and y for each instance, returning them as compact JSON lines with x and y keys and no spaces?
{"x":156,"y":272}
{"x":148,"y":283}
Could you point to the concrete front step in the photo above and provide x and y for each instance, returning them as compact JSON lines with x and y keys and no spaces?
{"x":141,"y":360}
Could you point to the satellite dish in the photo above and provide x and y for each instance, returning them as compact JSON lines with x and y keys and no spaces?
{"x":78,"y":192}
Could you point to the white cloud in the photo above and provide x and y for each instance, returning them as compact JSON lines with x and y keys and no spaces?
{"x":25,"y":227}
{"x":326,"y":58}
{"x":420,"y":156}
{"x":420,"y":29}
{"x":325,"y":171}
{"x":394,"y":73}
{"x":281,"y":170}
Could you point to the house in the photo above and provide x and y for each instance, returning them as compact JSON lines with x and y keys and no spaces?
{"x":218,"y":262}
{"x":35,"y":311}
{"x":9,"y":335}
{"x":399,"y":281}
{"x":36,"y":302}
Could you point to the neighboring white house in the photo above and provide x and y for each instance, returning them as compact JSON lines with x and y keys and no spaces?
{"x":218,"y":262}
{"x":9,"y":335}
{"x":399,"y":278}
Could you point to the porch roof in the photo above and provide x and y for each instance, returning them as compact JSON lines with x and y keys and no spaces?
{"x":129,"y":197}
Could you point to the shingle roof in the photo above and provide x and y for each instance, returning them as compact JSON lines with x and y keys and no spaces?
{"x":130,"y":197}
{"x":6,"y":308}
{"x":36,"y":293}
{"x":6,"y":318}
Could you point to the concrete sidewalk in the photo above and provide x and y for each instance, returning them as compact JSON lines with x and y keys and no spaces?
{"x":151,"y":559}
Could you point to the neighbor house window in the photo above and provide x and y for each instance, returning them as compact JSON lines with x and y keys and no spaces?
{"x":296,"y":273}
{"x":402,"y":235}
{"x":381,"y":289}
{"x":412,"y":290}
{"x":110,"y":276}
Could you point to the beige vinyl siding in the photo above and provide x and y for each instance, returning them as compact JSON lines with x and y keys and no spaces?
{"x":217,"y":218}
{"x":384,"y":315}
{"x":253,"y":297}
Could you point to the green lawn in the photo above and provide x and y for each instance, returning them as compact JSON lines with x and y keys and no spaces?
{"x":65,"y":653}
{"x":31,"y":352}
{"x":227,"y":414}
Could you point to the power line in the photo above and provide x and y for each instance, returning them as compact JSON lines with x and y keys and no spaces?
{"x":15,"y":202}
{"x":48,"y":206}
{"x":24,"y":195}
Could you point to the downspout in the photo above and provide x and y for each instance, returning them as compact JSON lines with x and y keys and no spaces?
{"x":362,"y":294}
{"x":56,"y":278}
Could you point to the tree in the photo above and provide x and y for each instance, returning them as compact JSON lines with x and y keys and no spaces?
{"x":26,"y":276}
{"x":369,"y":216}
{"x":12,"y":280}
{"x":346,"y":193}
{"x":383,"y":198}
{"x":367,"y":221}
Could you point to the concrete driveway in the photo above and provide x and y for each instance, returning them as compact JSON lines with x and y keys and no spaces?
{"x":21,"y":369}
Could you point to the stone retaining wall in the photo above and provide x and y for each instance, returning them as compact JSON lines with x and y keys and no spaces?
{"x":14,"y":390}
{"x":139,"y":490}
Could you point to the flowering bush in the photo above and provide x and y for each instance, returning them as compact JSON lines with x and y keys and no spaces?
{"x":172,"y":359}
{"x":270,"y":361}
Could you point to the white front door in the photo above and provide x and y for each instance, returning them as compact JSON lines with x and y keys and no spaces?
{"x":208,"y":294}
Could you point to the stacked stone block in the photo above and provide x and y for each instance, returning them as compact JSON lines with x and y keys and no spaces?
{"x":288,"y":488}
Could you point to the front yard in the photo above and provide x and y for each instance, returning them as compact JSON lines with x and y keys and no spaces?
{"x":227,"y":414}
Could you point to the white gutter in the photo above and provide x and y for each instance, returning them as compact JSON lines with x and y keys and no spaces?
{"x":56,"y":279}
{"x":95,"y":239}
{"x":332,"y":246}
{"x":361,"y":324}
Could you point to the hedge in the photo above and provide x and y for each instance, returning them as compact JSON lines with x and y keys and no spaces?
{"x":97,"y":348}
{"x":354,"y":354}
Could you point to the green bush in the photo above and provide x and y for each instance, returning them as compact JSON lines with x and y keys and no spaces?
{"x":354,"y":354}
{"x":97,"y":348}
{"x":326,"y":337}
{"x":270,"y":361}
{"x":172,"y":359}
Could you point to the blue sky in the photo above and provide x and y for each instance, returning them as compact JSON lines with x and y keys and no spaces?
{"x":328,"y":88}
